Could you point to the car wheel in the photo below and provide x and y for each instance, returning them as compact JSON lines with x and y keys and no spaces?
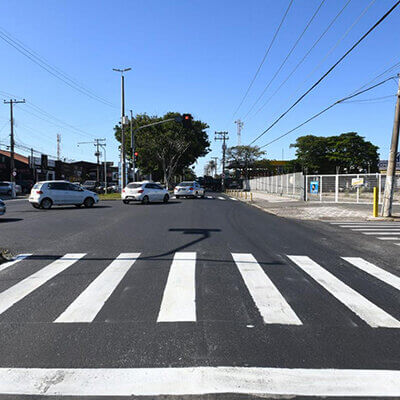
{"x":88,"y":202}
{"x":34,"y":205}
{"x":145,"y":200}
{"x":166,"y":198}
{"x":125,"y":201}
{"x":46,"y":203}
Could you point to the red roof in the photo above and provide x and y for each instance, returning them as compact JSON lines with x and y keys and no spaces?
{"x":17,"y":156}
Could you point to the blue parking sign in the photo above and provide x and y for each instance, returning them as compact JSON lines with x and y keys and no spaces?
{"x":314,"y":187}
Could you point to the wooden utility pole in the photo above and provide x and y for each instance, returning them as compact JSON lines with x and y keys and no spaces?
{"x":13,"y":172}
{"x":224,"y":137}
{"x":391,"y":170}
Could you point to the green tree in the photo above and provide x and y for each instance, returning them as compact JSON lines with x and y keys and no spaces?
{"x":241,"y":158}
{"x":167,"y":149}
{"x":348,"y":152}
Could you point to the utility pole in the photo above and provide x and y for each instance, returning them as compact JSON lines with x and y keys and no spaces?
{"x":123,"y":121}
{"x":239,"y":124}
{"x":133,"y":149}
{"x":391,"y":170}
{"x":224,"y":137}
{"x":216,"y":165}
{"x":58,"y":146}
{"x":13,"y":172}
{"x":98,"y":143}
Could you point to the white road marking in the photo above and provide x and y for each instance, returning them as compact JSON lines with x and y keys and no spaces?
{"x":88,"y":304}
{"x":380,"y":233}
{"x":209,"y":197}
{"x":199,"y":381}
{"x":365,"y":309}
{"x":17,"y":292}
{"x":389,"y":238}
{"x":232,"y":198}
{"x":272,"y":305}
{"x":179,"y":298}
{"x":365,"y":223}
{"x":221,"y":198}
{"x":377,"y":230}
{"x":370,"y":226}
{"x":13,"y":261}
{"x":375,"y":271}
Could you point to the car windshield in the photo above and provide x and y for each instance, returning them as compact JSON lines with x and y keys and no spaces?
{"x":209,"y":199}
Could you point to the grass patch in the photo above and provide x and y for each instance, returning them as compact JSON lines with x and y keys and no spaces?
{"x":110,"y":196}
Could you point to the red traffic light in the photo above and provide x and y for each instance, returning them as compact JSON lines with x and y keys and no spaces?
{"x":136,"y":153}
{"x":187,"y":117}
{"x":187,"y":120}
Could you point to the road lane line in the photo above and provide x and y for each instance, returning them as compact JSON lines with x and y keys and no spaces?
{"x":232,"y":198}
{"x":221,"y":198}
{"x":170,"y":381}
{"x":364,"y":223}
{"x":88,"y":304}
{"x":370,"y":226}
{"x":375,"y":271}
{"x":365,"y":309}
{"x":179,"y":298}
{"x":389,"y":238}
{"x":271,"y":304}
{"x":380,"y":233}
{"x":377,"y":229}
{"x":209,"y":197}
{"x":16,"y":259}
{"x":17,"y":292}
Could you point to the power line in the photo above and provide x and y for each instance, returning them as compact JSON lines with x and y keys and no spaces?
{"x":286,"y":58}
{"x":373,"y":99}
{"x":329,"y":70}
{"x":304,"y":57}
{"x":264,"y":58}
{"x":54,"y":71}
{"x":325,"y":110}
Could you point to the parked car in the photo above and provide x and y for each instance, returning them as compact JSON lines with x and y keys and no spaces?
{"x":2,"y":207}
{"x":93,"y":186}
{"x":6,"y":188}
{"x":48,"y":193}
{"x":189,"y":189}
{"x":145,"y":192}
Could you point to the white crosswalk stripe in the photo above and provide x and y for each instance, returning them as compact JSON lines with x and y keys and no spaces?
{"x":13,"y":261}
{"x":272,"y":305}
{"x":221,"y":198}
{"x":365,"y":309}
{"x":178,"y":301}
{"x":90,"y":301}
{"x":17,"y":292}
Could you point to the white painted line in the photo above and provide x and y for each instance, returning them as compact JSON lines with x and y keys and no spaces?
{"x":209,"y":197}
{"x":179,"y":298}
{"x":377,"y":230}
{"x":365,"y":223}
{"x":221,"y":198}
{"x":370,"y":226}
{"x":199,"y":381}
{"x":389,"y":238}
{"x":88,"y":304}
{"x":17,"y":292}
{"x":272,"y":305}
{"x":13,"y":261}
{"x":365,"y":309}
{"x":375,"y":271}
{"x":232,"y":198}
{"x":380,"y":233}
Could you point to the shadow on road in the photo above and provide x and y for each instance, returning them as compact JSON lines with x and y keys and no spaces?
{"x":5,"y":220}
{"x":35,"y":210}
{"x":138,"y":203}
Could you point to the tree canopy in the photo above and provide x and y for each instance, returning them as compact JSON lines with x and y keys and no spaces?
{"x":348,"y":152}
{"x":242,"y":158}
{"x":167,"y":149}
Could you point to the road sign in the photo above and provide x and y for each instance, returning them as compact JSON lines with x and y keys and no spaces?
{"x":314,"y":186}
{"x":357,"y":182}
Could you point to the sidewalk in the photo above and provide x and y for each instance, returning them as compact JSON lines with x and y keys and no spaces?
{"x":298,"y":209}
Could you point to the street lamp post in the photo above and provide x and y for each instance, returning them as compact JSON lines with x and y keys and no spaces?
{"x":123,"y":176}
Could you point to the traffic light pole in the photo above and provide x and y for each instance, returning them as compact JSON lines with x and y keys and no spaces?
{"x":11,"y":102}
{"x":224,"y":137}
{"x":391,"y":170}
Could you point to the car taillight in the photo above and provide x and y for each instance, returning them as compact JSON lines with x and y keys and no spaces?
{"x":140,"y":191}
{"x":39,"y":192}
{"x":123,"y":190}
{"x":190,"y":188}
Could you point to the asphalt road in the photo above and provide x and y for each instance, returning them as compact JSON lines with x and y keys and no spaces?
{"x":215,"y":285}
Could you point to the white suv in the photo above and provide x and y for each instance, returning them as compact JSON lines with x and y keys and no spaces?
{"x":145,"y":192}
{"x":57,"y":193}
{"x":188,"y":189}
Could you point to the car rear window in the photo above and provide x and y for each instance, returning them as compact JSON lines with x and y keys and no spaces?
{"x":37,"y":186}
{"x":186,"y":184}
{"x":134,"y":185}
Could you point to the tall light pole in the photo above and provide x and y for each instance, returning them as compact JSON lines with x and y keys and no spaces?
{"x":123,"y":118}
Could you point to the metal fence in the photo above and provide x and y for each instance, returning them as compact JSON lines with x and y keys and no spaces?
{"x":288,"y":185}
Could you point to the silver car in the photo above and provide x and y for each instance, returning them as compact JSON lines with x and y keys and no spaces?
{"x":189,"y":189}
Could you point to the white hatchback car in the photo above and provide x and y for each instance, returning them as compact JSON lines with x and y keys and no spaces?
{"x":59,"y":193}
{"x":145,"y":192}
{"x":188,"y":189}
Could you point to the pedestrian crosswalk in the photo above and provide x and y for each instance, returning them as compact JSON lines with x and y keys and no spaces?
{"x":388,"y":231}
{"x":182,"y":296}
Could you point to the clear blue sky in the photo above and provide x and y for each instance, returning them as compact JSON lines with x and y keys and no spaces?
{"x":197,"y":57}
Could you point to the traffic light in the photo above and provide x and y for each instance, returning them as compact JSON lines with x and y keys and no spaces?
{"x":135,"y":156}
{"x":187,"y":121}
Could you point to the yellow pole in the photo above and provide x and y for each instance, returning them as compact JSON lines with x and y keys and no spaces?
{"x":375,"y":209}
{"x":245,"y":195}
{"x":251,"y":196}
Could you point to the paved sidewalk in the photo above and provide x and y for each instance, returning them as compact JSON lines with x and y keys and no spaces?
{"x":298,"y":209}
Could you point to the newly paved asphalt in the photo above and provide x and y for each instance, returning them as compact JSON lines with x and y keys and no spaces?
{"x":228,"y":329}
